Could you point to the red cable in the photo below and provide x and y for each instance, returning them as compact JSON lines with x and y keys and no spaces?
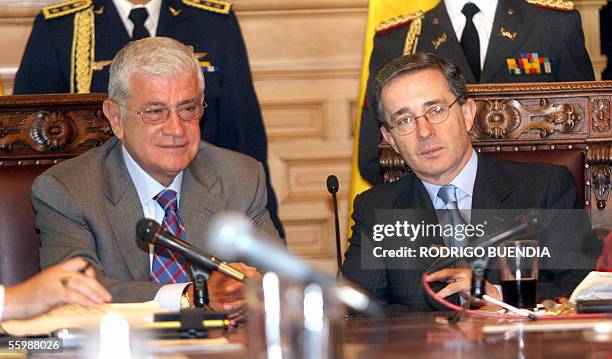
{"x":480,"y":313}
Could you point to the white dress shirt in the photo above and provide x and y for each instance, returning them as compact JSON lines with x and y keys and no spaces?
{"x":169,"y":296}
{"x":464,"y":182}
{"x":483,"y":20}
{"x":153,"y":8}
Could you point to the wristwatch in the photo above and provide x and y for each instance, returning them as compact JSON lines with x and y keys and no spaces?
{"x":185,"y":299}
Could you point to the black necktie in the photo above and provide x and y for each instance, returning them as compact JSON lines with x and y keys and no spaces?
{"x":138,"y":16}
{"x":469,"y":39}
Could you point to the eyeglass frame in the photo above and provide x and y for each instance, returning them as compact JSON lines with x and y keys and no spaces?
{"x":423,"y":115}
{"x":201,"y":107}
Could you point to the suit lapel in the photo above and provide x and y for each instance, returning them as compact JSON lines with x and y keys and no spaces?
{"x":173,"y":20}
{"x":510,"y":30}
{"x":125,"y":213}
{"x":412,"y":195}
{"x":439,"y":38}
{"x":200,"y":201}
{"x":111,"y":34}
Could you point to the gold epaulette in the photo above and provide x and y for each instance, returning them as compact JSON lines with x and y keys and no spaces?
{"x":554,"y":4}
{"x":65,"y":8}
{"x":392,"y":23}
{"x":218,"y":6}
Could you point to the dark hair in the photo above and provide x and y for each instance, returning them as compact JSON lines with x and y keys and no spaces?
{"x":409,"y":64}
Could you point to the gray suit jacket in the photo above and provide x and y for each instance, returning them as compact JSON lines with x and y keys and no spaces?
{"x":88,"y":206}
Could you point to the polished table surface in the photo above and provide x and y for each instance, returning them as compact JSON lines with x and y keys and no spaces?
{"x":428,"y":335}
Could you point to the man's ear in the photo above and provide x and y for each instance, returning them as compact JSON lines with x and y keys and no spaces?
{"x":389,"y":138}
{"x":469,"y":113}
{"x":112,"y":111}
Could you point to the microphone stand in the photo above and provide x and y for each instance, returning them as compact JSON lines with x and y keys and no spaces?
{"x":200,"y":292}
{"x":332,"y":187}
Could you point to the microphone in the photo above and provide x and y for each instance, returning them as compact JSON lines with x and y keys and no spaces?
{"x":529,"y":220}
{"x":151,"y":232}
{"x":332,"y":187}
{"x":232,"y":237}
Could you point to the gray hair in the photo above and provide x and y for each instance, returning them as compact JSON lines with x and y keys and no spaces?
{"x":414,"y":63}
{"x":157,"y":56}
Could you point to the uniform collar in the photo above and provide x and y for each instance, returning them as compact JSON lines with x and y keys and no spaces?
{"x":487,"y":7}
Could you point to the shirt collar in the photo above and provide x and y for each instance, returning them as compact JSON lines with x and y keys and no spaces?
{"x":146,"y":186}
{"x":125,"y":6}
{"x":464,"y":181}
{"x":487,"y":7}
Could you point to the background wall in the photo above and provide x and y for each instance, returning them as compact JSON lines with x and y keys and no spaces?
{"x":306,"y":60}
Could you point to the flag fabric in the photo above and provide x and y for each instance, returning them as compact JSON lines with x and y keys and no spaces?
{"x":378,"y":11}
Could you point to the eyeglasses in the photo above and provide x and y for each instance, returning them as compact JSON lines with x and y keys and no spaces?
{"x":158,"y":114}
{"x":408,"y":124}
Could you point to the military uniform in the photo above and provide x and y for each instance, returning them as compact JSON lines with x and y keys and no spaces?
{"x":72,"y":44}
{"x":531,"y":41}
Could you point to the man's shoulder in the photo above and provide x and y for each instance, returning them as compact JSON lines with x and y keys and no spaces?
{"x":508,"y":167}
{"x":65,"y":8}
{"x":554,"y":6}
{"x":209,"y":6}
{"x":399,"y":22}
{"x":86,"y":165}
{"x":384,"y":195}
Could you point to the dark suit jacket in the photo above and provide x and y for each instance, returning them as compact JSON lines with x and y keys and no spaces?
{"x":499,"y":184}
{"x":88,"y":206}
{"x":232,"y":119}
{"x":554,"y":33}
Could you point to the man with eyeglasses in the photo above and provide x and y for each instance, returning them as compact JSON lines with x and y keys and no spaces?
{"x":156,"y":167}
{"x":422,"y":103}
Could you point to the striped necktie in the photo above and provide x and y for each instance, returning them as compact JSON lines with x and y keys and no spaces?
{"x":448,"y":195}
{"x":169,"y":267}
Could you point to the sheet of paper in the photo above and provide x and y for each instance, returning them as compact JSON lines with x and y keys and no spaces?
{"x":596,"y":285}
{"x":76,"y":316}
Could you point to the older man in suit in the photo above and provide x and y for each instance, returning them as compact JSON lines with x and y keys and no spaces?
{"x":490,"y":41}
{"x":422,"y":102}
{"x":73,"y":42}
{"x":156,"y":167}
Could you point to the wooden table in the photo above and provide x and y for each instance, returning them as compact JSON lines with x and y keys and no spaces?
{"x":427,"y":335}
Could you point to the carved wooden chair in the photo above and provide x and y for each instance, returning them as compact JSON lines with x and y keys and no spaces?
{"x":561,"y":123}
{"x":35,"y":133}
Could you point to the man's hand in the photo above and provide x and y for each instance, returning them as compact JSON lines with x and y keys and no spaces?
{"x":61,"y":284}
{"x":227,"y":294}
{"x":459,"y":281}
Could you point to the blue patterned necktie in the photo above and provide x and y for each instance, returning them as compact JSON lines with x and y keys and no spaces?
{"x":169,"y":267}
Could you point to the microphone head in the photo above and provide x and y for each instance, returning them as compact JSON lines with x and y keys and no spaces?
{"x":146,"y":229}
{"x":230,"y":236}
{"x":332,"y":184}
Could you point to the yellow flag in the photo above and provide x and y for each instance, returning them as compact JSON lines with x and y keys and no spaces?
{"x":379,"y":11}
